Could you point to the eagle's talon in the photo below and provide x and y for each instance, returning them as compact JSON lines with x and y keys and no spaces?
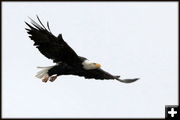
{"x":53,"y":78}
{"x":45,"y":78}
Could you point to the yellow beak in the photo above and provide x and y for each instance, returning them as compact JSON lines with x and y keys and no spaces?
{"x":98,"y":65}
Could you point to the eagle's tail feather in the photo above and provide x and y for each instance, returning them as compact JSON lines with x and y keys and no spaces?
{"x":43,"y":72}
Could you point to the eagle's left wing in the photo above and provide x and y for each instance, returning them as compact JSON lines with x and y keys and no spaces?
{"x":102,"y":75}
{"x":52,"y":47}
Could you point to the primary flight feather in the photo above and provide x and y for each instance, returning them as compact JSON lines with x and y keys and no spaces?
{"x":67,"y":60}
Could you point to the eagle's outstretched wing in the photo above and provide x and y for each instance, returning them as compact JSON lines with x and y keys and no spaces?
{"x":102,"y":75}
{"x":52,"y":47}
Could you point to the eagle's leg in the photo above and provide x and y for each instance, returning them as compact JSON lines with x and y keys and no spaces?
{"x":45,"y":78}
{"x":53,"y":78}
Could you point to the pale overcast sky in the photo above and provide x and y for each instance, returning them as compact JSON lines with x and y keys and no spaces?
{"x":131,"y":39}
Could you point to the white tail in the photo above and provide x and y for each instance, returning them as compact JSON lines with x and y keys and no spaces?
{"x":43,"y":72}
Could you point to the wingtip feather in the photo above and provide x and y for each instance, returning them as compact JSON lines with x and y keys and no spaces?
{"x":128,"y":80}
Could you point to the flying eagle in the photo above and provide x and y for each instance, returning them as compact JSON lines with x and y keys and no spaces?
{"x":66,"y":59}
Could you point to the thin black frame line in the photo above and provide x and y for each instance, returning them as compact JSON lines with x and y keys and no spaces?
{"x":89,"y":0}
{"x":86,"y":1}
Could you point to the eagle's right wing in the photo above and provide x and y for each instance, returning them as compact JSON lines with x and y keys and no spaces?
{"x":52,"y":47}
{"x":103,"y":75}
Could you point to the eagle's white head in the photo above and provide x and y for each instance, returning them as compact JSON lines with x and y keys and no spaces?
{"x":88,"y":65}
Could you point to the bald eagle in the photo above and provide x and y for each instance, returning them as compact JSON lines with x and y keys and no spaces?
{"x":66,"y":59}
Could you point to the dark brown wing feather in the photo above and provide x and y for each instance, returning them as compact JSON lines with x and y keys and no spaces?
{"x":52,"y":47}
{"x":103,"y":75}
{"x":97,"y":74}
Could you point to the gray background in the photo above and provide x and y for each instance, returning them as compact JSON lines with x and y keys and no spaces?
{"x":130,"y":39}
